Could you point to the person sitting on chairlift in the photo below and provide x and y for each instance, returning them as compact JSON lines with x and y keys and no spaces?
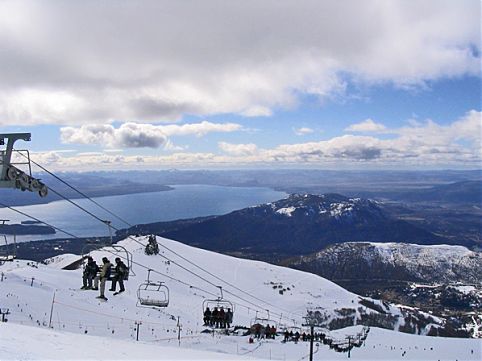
{"x":214,"y":318}
{"x":207,"y":317}
{"x":90,"y":271}
{"x":228,"y":318}
{"x":120,"y":274}
{"x":221,"y":317}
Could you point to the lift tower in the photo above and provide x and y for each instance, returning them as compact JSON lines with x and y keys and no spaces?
{"x":10,"y":175}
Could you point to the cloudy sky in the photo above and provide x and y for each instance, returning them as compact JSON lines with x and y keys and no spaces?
{"x":349,"y":84}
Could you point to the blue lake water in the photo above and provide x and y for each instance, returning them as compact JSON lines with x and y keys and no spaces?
{"x":185,"y":201}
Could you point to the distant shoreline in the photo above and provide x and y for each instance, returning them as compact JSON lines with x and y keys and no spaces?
{"x":116,"y":190}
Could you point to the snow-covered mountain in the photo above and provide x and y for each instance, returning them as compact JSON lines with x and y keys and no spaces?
{"x":41,"y":295}
{"x":394,"y":261}
{"x":299,"y":224}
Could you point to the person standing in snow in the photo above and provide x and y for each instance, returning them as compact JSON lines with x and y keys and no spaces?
{"x":90,"y":271}
{"x":104,"y":276}
{"x":120,"y":274}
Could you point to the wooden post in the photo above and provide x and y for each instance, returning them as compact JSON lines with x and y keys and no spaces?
{"x":51,"y":311}
{"x":138,"y":324}
{"x":311,"y":342}
{"x":178,"y":331}
{"x":349,"y":346}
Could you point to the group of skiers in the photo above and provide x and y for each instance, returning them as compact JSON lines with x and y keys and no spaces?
{"x":93,"y":274}
{"x":296,"y":336}
{"x":259,"y":331}
{"x":218,"y":318}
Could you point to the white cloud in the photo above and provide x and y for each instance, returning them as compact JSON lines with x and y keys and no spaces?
{"x":238,"y":149}
{"x":199,"y":129}
{"x":303,"y":131}
{"x":63,"y":63}
{"x":419,"y":144}
{"x":367,"y":125}
{"x":133,"y":135}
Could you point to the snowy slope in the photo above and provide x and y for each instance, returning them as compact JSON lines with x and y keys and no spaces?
{"x":53,"y":345}
{"x":432,"y":263}
{"x":28,"y":290}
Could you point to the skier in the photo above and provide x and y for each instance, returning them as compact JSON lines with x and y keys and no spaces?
{"x":207,"y":317}
{"x":104,"y":276}
{"x":90,"y":271}
{"x":120,"y":274}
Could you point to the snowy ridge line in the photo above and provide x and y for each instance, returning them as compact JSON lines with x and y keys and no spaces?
{"x":257,"y":306}
{"x":231,"y":285}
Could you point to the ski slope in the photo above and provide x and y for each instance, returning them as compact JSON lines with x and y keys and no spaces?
{"x":33,"y":292}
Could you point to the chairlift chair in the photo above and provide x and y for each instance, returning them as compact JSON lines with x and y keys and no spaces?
{"x":121,"y":251}
{"x":13,"y":177}
{"x":264,"y":320}
{"x":7,"y":255}
{"x":218,"y":302}
{"x":152,"y":293}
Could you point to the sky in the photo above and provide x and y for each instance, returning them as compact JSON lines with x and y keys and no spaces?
{"x":342,"y":84}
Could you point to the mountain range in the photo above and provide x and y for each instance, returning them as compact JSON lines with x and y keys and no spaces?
{"x":299,"y":224}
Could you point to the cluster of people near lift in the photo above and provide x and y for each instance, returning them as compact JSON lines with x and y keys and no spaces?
{"x":296,"y":336}
{"x":93,"y":274}
{"x":259,"y":331}
{"x":218,"y":317}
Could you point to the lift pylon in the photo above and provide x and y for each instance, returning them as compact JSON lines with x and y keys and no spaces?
{"x":10,"y":175}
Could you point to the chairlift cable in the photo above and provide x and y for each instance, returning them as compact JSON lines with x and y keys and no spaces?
{"x":76,"y":190}
{"x":113,"y":253}
{"x":179,"y":265}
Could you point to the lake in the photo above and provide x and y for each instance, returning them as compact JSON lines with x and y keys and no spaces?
{"x":185,"y":201}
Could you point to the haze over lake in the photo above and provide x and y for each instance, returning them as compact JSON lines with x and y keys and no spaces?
{"x":185,"y":201}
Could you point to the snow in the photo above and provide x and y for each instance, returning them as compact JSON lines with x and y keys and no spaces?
{"x":465,"y":289}
{"x":286,"y":211}
{"x":62,"y":260}
{"x":44,"y":344}
{"x":85,"y":328}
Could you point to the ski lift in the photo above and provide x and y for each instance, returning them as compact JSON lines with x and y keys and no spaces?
{"x":13,"y":177}
{"x":152,"y":293}
{"x":89,"y":246}
{"x":121,"y":251}
{"x":264,"y":320}
{"x":294,"y":327}
{"x":6,"y":255}
{"x":219,"y":302}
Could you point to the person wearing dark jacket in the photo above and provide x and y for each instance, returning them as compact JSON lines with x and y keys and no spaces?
{"x":90,"y":271}
{"x":120,"y":274}
{"x":104,"y":276}
{"x":228,"y":318}
{"x":207,"y":317}
{"x":215,"y":318}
